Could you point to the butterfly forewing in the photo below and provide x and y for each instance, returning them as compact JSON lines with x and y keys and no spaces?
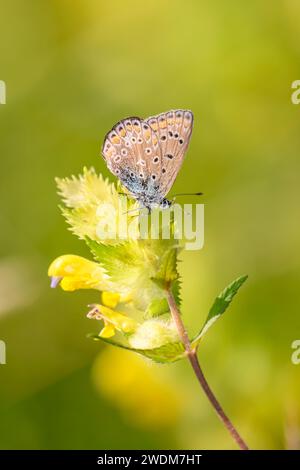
{"x":130,"y":149}
{"x":173,"y":129}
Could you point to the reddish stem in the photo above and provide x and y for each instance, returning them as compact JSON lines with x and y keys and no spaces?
{"x":192,"y":357}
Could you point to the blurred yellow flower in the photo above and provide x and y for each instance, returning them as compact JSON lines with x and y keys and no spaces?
{"x":145,"y":398}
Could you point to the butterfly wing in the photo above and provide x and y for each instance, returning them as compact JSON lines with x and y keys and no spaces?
{"x":173,"y":130}
{"x":130,"y":150}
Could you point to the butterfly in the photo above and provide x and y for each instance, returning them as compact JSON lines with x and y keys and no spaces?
{"x":146,"y":154}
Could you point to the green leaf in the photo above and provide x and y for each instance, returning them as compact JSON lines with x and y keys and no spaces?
{"x":167,"y":273}
{"x":219,"y":306}
{"x":157,"y":307}
{"x":160,"y":306}
{"x":169,"y":352}
{"x":116,"y":258}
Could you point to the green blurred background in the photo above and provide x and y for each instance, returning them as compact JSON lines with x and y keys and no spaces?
{"x":72,"y":69}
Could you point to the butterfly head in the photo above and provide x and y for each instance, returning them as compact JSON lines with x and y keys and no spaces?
{"x":165,"y":204}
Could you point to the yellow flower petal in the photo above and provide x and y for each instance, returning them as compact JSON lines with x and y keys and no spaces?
{"x":75,"y":272}
{"x":110,"y":299}
{"x":108,"y":331}
{"x":120,"y":321}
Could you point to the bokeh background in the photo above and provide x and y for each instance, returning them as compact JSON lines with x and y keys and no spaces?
{"x":75,"y":67}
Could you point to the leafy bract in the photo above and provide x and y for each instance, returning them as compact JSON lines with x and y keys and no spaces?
{"x":219,"y":306}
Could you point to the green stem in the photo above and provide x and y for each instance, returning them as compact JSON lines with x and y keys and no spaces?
{"x":192,"y":357}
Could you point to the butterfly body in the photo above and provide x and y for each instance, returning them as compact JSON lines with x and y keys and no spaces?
{"x":146,"y":155}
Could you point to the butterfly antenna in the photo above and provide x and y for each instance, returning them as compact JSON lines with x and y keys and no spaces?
{"x":185,"y":194}
{"x":188,"y":194}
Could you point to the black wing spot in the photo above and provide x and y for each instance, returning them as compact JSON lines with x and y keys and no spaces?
{"x":169,"y":156}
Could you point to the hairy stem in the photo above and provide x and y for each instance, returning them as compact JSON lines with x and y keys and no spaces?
{"x":192,"y":356}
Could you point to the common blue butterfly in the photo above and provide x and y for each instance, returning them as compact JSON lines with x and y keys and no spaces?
{"x":147,"y":154}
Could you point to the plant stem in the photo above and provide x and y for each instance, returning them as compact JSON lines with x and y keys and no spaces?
{"x":192,"y":356}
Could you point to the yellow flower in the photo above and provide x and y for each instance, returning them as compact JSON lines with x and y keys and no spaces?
{"x":112,"y":321}
{"x":74,"y":272}
{"x":131,"y":272}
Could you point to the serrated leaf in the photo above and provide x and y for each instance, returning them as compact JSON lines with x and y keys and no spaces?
{"x":169,"y":352}
{"x":117,"y":258}
{"x":167,"y":272}
{"x":219,"y":306}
